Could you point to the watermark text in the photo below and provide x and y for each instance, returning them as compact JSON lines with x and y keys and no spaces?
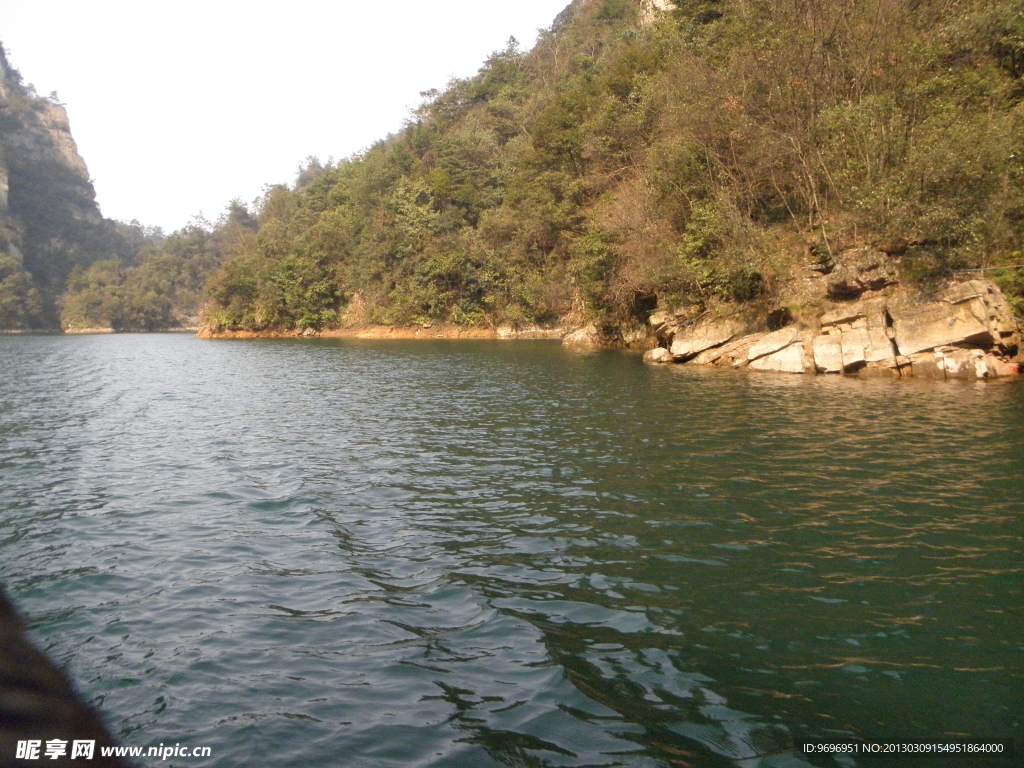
{"x":39,"y":749}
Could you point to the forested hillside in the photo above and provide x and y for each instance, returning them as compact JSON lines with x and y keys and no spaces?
{"x":704,"y":155}
{"x":158,"y":287}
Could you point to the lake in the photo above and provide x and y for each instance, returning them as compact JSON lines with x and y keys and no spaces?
{"x":484,"y":553}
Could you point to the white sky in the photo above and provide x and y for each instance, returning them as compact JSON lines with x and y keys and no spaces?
{"x":179,"y":107}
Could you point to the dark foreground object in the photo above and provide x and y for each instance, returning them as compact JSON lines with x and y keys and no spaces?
{"x":37,"y":702}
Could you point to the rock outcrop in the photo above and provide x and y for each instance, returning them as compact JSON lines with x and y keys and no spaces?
{"x":790,"y":359}
{"x":588,"y":336}
{"x":658,"y":355}
{"x":854,"y":336}
{"x":633,"y":334}
{"x":974,"y":312}
{"x":859,"y":270}
{"x":704,"y":336}
{"x":650,"y":10}
{"x":966,"y":331}
{"x":49,"y":220}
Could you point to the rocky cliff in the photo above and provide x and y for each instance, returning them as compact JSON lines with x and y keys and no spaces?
{"x":49,"y":219}
{"x":860,"y":319}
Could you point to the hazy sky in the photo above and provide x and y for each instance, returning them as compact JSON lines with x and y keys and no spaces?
{"x":179,"y":107}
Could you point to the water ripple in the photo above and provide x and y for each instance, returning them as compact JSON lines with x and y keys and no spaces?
{"x":485,"y":554}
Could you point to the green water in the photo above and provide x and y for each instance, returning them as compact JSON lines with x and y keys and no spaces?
{"x":341,"y":553}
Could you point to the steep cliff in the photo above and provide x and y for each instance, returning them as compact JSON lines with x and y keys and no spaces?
{"x":49,"y":220}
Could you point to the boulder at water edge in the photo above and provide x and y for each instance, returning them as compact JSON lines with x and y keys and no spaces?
{"x":967,"y":331}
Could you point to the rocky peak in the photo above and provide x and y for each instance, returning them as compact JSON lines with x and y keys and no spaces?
{"x":49,"y":219}
{"x":47,"y":138}
{"x":35,"y":131}
{"x":6,"y":73}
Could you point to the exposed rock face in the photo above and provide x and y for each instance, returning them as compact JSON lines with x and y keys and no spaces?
{"x":47,"y":139}
{"x":651,"y":9}
{"x":658,"y":355}
{"x":704,"y":336}
{"x":853,"y":336}
{"x":828,"y":353}
{"x":35,"y":135}
{"x":771,"y":343}
{"x":959,"y":363}
{"x":967,"y":332}
{"x":632,"y":335}
{"x":789,"y":359}
{"x":860,"y":270}
{"x":49,"y":220}
{"x":975,"y":312}
{"x":733,"y":353}
{"x":588,"y":336}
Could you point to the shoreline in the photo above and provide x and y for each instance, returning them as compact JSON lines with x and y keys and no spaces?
{"x":426,"y":332}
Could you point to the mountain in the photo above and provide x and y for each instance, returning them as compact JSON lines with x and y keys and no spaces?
{"x":688,"y":156}
{"x":49,"y":220}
